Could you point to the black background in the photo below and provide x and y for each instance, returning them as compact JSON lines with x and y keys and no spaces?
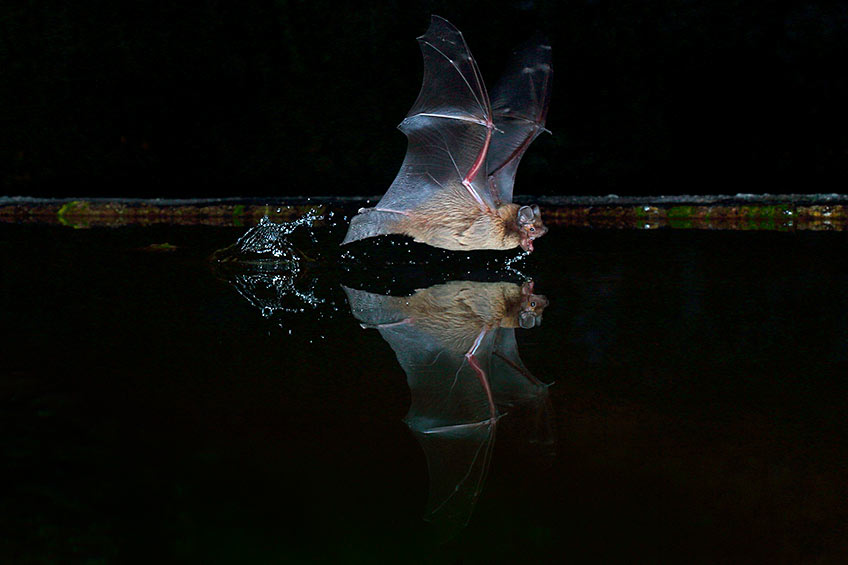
{"x":288,"y":97}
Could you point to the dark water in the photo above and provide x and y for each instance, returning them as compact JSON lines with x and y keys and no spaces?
{"x":150,"y":413}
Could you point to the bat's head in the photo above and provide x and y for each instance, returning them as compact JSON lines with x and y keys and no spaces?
{"x":530,"y":226}
{"x":532,"y":306}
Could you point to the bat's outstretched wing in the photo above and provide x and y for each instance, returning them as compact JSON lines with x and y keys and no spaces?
{"x":449,"y":128}
{"x":520,"y":106}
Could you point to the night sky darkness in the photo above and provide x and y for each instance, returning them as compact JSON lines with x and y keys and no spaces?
{"x":276,"y":98}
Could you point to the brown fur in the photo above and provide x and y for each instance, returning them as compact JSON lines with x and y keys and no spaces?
{"x":454,"y":223}
{"x":456,"y":312}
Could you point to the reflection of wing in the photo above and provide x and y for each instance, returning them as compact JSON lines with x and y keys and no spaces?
{"x":458,"y":460}
{"x":449,"y":128}
{"x":451,"y":414}
{"x":459,"y":364}
{"x":448,"y":388}
{"x":514,"y":385}
{"x":520,"y":106}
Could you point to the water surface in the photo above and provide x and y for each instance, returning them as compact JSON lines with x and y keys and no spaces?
{"x":154,"y":406}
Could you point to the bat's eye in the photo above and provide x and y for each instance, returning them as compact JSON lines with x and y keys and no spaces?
{"x":532,"y":228}
{"x":532,"y":305}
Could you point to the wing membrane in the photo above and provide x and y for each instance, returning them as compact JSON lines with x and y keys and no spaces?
{"x":449,"y":127}
{"x":514,"y":385}
{"x":520,"y":106}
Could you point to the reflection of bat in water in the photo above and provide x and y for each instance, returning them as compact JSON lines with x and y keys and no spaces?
{"x":456,"y":343}
{"x":454,"y":189}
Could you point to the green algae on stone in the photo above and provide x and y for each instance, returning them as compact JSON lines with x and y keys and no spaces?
{"x":681,"y":212}
{"x":79,"y":210}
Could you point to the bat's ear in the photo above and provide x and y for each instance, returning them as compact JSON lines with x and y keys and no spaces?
{"x":525,"y":215}
{"x":527,"y":320}
{"x":536,"y":211}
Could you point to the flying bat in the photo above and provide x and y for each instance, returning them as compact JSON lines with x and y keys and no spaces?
{"x":454,"y":188}
{"x":456,"y":344}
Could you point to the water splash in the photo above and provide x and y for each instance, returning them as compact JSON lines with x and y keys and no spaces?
{"x":509,"y":264}
{"x":268,"y":237}
{"x":266,"y":269}
{"x":273,"y":293}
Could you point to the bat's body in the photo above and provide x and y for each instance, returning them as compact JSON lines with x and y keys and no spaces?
{"x":448,"y":223}
{"x":454,"y":189}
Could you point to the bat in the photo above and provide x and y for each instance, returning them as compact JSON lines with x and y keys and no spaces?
{"x":456,"y":344}
{"x":454,"y":189}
